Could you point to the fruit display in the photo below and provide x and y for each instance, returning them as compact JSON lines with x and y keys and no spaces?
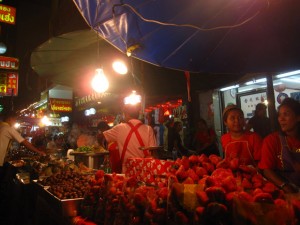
{"x":200,"y":190}
{"x":67,"y":185}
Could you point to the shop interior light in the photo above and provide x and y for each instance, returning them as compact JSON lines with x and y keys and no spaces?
{"x":288,"y":74}
{"x":230,"y":87}
{"x":120,"y":67}
{"x":244,"y":89}
{"x":132,"y":99}
{"x":297,"y":80}
{"x":274,"y":84}
{"x":45,"y":121}
{"x":256,"y":81}
{"x":100,"y":83}
{"x":17,"y":125}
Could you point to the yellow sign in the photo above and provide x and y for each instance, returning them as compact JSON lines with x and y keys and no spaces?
{"x":7,"y":14}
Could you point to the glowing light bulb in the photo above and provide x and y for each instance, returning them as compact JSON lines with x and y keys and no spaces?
{"x":132,"y":99}
{"x":120,"y":67}
{"x":100,"y":83}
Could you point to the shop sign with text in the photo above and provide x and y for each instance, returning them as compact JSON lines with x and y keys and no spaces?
{"x":9,"y":84}
{"x":60,"y":105}
{"x":7,"y":14}
{"x":9,"y":63}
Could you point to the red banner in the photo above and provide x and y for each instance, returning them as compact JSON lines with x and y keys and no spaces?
{"x":9,"y":63}
{"x":60,"y":105}
{"x":7,"y":14}
{"x":9,"y":84}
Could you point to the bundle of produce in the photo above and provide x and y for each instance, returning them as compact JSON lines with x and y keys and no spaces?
{"x":117,"y":207}
{"x":93,"y":197}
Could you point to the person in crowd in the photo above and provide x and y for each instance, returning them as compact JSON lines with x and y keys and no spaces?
{"x":205,"y":139}
{"x":7,"y":134}
{"x":260,"y":123}
{"x":86,"y":138}
{"x":131,"y":135}
{"x":239,"y":143}
{"x":51,"y":146}
{"x":175,"y":141}
{"x":280,"y":160}
{"x":112,"y":147}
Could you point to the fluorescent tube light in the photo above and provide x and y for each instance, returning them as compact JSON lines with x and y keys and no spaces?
{"x":288,"y":74}
{"x":230,"y":87}
{"x":256,"y":81}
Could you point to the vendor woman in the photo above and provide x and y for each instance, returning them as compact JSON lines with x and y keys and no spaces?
{"x":280,"y":160}
{"x":238,"y":143}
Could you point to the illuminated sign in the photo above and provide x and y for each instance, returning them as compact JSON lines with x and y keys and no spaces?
{"x":9,"y":84}
{"x":9,"y":63}
{"x":7,"y":14}
{"x":60,"y":105}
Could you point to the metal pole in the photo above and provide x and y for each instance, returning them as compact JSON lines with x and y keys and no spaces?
{"x":271,"y":102}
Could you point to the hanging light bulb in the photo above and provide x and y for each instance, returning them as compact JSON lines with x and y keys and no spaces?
{"x":120,"y":67}
{"x":100,"y":83}
{"x":132,"y":99}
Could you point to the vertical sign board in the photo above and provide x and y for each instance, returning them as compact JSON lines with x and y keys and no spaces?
{"x":8,"y":76}
{"x":7,"y":14}
{"x":8,"y":83}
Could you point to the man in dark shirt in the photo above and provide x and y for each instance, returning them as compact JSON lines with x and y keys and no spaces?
{"x":260,"y":123}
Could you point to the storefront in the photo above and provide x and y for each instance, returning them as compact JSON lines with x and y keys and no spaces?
{"x":253,"y":90}
{"x":52,"y":112}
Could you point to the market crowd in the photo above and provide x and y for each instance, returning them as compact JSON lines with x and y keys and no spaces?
{"x":276,"y":154}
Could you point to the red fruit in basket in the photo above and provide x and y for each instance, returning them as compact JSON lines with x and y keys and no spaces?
{"x":203,"y":158}
{"x":229,"y":197}
{"x":221,"y":173}
{"x":245,"y":196}
{"x":215,"y":211}
{"x":139,"y":200}
{"x":214,"y":159}
{"x":296,"y":206}
{"x":263,"y":198}
{"x":160,"y":214}
{"x":181,"y":218}
{"x":208,"y":166}
{"x":246,"y":183}
{"x":257,"y":178}
{"x":202,"y":197}
{"x":163,"y":193}
{"x":153,"y":205}
{"x":257,"y":191}
{"x":215,"y":194}
{"x":99,"y":174}
{"x":181,"y":175}
{"x":248,"y":169}
{"x":269,"y":187}
{"x":92,"y":182}
{"x":200,"y":171}
{"x":188,"y":181}
{"x":185,"y":162}
{"x":191,"y":173}
{"x":193,"y":159}
{"x":136,"y":220}
{"x":210,"y":182}
{"x":234,"y":164}
{"x":280,"y":202}
{"x":223,"y":164}
{"x":229,"y":184}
